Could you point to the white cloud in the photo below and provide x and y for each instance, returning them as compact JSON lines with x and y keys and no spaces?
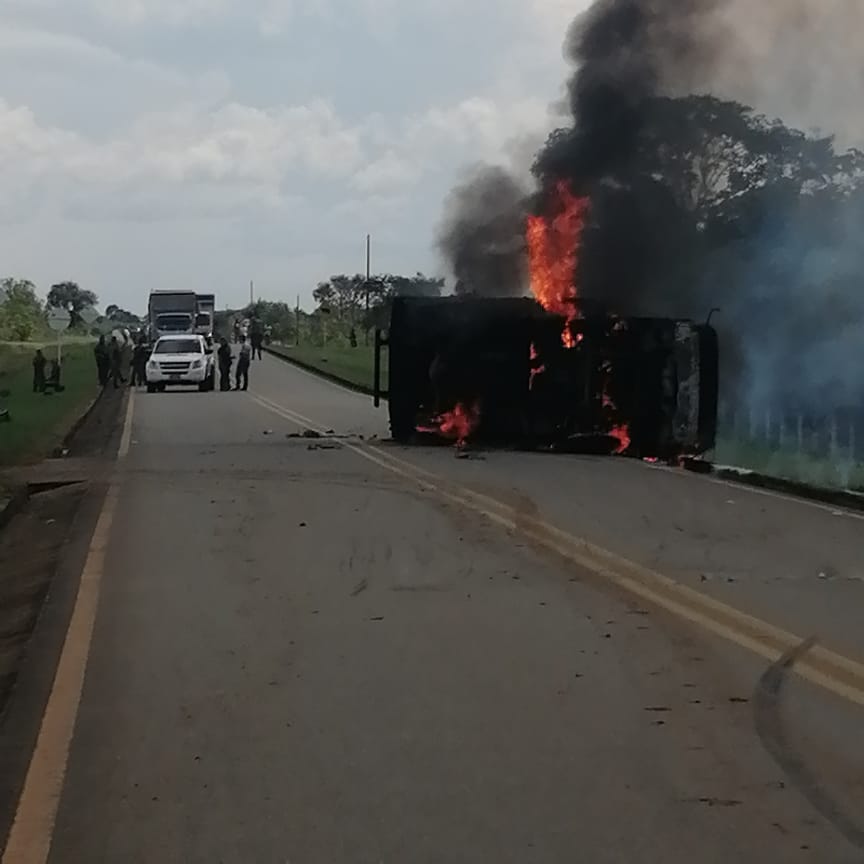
{"x":262,"y":149}
{"x":179,"y":134}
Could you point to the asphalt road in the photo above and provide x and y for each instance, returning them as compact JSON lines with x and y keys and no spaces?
{"x":326,"y":651}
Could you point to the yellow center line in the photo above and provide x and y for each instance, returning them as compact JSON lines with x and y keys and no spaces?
{"x":834,"y":672}
{"x":30,"y":838}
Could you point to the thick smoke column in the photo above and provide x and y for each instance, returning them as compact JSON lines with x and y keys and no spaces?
{"x":778,"y":252}
{"x":483,"y":237}
{"x":626,"y":52}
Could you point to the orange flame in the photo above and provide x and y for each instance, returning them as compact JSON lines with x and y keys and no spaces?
{"x":554,"y":243}
{"x":621,"y":431}
{"x":460,"y":422}
{"x":457,"y":425}
{"x":535,"y":369}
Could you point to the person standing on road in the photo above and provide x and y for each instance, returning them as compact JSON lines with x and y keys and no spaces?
{"x":139,"y":364}
{"x":103,"y":362}
{"x":243,"y":362}
{"x":225,"y":359}
{"x":39,"y":363}
{"x":257,"y":339}
{"x":115,"y":355}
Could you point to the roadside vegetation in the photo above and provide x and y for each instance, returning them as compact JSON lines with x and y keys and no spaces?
{"x":338,"y":336}
{"x":32,"y":424}
{"x":841,"y":472}
{"x":37,"y":422}
{"x":354,"y":366}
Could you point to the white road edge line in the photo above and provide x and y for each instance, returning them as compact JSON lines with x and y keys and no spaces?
{"x":32,"y":831}
{"x":837,"y":511}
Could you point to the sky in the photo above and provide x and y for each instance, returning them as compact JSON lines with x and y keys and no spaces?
{"x":158,"y":144}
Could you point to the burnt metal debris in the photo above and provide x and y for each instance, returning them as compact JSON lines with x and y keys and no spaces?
{"x":643,"y":387}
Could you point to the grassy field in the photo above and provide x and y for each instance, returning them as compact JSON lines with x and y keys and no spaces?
{"x":352,"y":365}
{"x":801,"y":468}
{"x":39,"y":422}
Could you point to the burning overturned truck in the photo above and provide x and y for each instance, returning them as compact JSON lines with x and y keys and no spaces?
{"x":508,"y":372}
{"x":553,"y":372}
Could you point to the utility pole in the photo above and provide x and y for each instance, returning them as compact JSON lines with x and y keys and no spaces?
{"x":368,"y":277}
{"x":298,"y":321}
{"x":251,"y":292}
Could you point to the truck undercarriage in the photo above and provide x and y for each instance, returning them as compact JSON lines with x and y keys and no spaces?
{"x":505,"y":372}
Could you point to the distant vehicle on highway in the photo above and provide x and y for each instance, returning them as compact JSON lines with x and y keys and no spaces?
{"x":172,"y":312}
{"x":181,"y":360}
{"x":205,"y":320}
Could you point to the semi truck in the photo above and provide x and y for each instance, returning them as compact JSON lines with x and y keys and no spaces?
{"x":206,"y":317}
{"x":171,"y":312}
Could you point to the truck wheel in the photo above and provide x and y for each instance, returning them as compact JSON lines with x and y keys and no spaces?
{"x":151,"y":388}
{"x":204,"y":386}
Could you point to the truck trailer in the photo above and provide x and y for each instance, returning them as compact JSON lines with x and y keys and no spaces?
{"x":507,"y":372}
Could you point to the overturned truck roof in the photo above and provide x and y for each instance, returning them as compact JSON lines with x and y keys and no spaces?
{"x":506,"y":372}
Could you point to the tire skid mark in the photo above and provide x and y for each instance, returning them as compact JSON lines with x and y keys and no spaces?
{"x":771,"y":728}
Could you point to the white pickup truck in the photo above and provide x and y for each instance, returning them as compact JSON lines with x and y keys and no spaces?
{"x":184,"y":359}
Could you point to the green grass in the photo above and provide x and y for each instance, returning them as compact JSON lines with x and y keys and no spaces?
{"x":40,"y":422}
{"x":843,"y":473}
{"x":353,"y":365}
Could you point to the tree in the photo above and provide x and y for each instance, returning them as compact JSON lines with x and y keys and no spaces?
{"x":414,"y":286}
{"x":324,"y":295}
{"x":354,"y":300}
{"x":117,"y":315}
{"x":69,"y":295}
{"x":21,"y":315}
{"x":278,"y":316}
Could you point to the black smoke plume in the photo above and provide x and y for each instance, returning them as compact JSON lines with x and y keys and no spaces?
{"x":483,"y":235}
{"x":697,"y":201}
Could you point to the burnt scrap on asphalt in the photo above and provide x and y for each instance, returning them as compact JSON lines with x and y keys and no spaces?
{"x":505,"y":372}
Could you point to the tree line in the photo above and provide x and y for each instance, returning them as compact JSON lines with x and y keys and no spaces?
{"x":23,"y":316}
{"x":344,"y":304}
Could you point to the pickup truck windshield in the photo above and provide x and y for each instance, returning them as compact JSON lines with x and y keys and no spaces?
{"x":178,"y":346}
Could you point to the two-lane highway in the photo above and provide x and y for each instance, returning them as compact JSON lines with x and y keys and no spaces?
{"x":337,"y":651}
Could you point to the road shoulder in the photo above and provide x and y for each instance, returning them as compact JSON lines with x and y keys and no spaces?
{"x":48,"y":576}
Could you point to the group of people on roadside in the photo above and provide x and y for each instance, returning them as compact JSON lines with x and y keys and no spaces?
{"x":244,"y":361}
{"x":111,"y":361}
{"x":46,"y":377}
